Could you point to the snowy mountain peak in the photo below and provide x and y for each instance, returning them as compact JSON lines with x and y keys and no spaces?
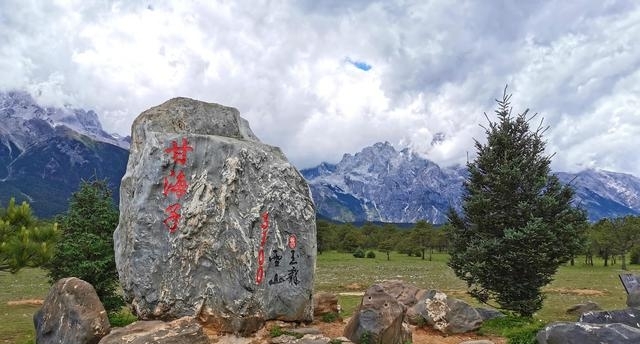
{"x":18,"y":108}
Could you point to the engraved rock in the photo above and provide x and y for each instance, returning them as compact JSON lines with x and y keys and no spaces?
{"x":213,"y":223}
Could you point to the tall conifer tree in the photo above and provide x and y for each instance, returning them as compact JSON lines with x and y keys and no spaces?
{"x":518,"y":224}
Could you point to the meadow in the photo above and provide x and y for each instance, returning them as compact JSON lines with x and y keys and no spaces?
{"x":343,"y":274}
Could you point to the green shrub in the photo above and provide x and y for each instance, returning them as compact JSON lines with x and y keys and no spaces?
{"x":330,"y":317}
{"x":365,"y":338}
{"x":371,"y":254}
{"x":277,"y":331}
{"x":122,"y":318}
{"x":359,"y":253}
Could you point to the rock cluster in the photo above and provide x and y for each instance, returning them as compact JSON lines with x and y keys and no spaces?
{"x":213,"y":223}
{"x":387,"y":309}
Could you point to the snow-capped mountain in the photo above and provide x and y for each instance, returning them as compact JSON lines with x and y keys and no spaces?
{"x":46,"y":152}
{"x":22,"y":120}
{"x":604,"y":193}
{"x":383,"y":184}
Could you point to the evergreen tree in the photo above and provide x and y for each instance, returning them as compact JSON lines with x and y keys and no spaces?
{"x":518,"y":225}
{"x":24,"y":241}
{"x":86,"y":248}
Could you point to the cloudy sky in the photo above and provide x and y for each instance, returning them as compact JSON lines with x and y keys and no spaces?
{"x":323,"y":78}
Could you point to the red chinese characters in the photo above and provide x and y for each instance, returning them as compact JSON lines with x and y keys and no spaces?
{"x":264,"y":228}
{"x":179,"y":153}
{"x":175,"y":184}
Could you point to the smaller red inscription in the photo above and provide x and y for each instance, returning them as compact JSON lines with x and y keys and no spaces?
{"x":293,"y":241}
{"x":179,"y":153}
{"x":264,"y":227}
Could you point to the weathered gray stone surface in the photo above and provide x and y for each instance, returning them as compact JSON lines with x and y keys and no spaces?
{"x":405,"y":293}
{"x":213,"y":223}
{"x":181,"y":331}
{"x":488,"y":313}
{"x":324,"y":303}
{"x":584,"y":333}
{"x":629,"y":316}
{"x":448,"y":315}
{"x":633,"y":299}
{"x":71,"y":313}
{"x":380,"y":318}
{"x":581,"y":308}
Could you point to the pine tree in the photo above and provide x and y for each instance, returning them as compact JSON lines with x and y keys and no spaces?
{"x":518,"y":225}
{"x":24,"y":241}
{"x":86,"y":248}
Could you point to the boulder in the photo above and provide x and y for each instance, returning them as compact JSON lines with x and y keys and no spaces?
{"x":629,"y":316}
{"x":379,"y":319}
{"x":403,"y":292}
{"x":71,"y":313}
{"x":584,"y":333}
{"x":213,"y":223}
{"x":633,"y":299}
{"x":448,"y":315}
{"x":181,"y":331}
{"x":581,"y":308}
{"x":325,"y":303}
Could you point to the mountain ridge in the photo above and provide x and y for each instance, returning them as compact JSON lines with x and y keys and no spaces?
{"x":46,"y":152}
{"x":402,"y":186}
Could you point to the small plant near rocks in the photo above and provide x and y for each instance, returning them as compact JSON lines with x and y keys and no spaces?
{"x":277,"y":331}
{"x":365,"y":338}
{"x":371,"y":254}
{"x":335,"y":341}
{"x":330,"y":317}
{"x":121,"y":318}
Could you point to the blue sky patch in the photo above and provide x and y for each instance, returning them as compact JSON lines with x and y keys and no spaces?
{"x":360,"y":64}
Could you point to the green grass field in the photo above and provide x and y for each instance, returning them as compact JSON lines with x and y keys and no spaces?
{"x":342,"y":273}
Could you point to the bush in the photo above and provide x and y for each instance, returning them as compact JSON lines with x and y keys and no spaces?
{"x":359,"y":253}
{"x":330,"y":317}
{"x":122,"y":318}
{"x":371,"y":254}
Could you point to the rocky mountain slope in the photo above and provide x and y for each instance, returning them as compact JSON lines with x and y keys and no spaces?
{"x":46,"y":152}
{"x":383,"y":184}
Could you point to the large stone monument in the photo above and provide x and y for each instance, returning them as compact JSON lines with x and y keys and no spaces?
{"x":213,"y":223}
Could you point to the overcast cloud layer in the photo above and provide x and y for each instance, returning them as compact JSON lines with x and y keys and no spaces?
{"x":322,"y":78}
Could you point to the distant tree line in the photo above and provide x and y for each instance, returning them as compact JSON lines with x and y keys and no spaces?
{"x":420,"y":240}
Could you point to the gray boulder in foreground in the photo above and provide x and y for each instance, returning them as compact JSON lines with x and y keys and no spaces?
{"x":378,"y":320}
{"x":181,"y":331}
{"x":629,"y":316}
{"x":213,"y":223}
{"x":446,"y":314}
{"x":585,"y":333}
{"x":71,"y":313}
